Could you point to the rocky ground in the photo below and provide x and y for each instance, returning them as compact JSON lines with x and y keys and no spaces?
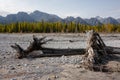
{"x":52,"y":68}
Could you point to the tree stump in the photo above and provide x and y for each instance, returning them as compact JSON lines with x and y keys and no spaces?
{"x":96,"y":53}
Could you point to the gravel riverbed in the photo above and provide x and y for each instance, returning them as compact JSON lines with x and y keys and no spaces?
{"x":50,"y":68}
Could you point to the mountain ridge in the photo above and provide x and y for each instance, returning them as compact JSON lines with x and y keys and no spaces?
{"x":38,"y":16}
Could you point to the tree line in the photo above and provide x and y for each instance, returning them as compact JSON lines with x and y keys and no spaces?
{"x":56,"y":27}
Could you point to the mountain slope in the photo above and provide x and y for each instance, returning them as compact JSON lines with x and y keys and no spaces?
{"x":39,"y":16}
{"x":2,"y":20}
{"x":109,"y":20}
{"x":19,"y":17}
{"x":76,"y":20}
{"x":93,"y":21}
{"x":118,"y":20}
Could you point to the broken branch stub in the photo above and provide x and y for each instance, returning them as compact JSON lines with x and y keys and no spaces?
{"x":20,"y":51}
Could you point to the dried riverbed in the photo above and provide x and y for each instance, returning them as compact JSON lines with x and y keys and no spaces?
{"x":51,"y":68}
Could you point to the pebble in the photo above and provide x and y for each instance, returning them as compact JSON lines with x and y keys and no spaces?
{"x":25,"y":65}
{"x":4,"y":57}
{"x":12,"y":68}
{"x":53,"y":77}
{"x":18,"y":65}
{"x":37,"y":67}
{"x":78,"y":66}
{"x":13,"y":79}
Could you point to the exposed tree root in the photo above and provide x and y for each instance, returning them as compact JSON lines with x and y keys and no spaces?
{"x":35,"y":45}
{"x":96,"y":55}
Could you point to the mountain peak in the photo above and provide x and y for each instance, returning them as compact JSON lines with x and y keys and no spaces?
{"x":39,"y":16}
{"x":37,"y":12}
{"x":98,"y":17}
{"x":22,"y":13}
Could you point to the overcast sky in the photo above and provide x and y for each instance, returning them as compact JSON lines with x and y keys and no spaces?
{"x":63,"y":8}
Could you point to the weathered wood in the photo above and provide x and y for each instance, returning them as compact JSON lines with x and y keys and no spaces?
{"x":47,"y":52}
{"x":97,"y":53}
{"x":62,"y":51}
{"x":35,"y":45}
{"x":20,"y":51}
{"x":112,"y":50}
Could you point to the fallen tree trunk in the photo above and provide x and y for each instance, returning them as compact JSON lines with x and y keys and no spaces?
{"x":47,"y":52}
{"x":112,"y":50}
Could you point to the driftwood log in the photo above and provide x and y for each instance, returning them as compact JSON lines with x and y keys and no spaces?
{"x":47,"y":52}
